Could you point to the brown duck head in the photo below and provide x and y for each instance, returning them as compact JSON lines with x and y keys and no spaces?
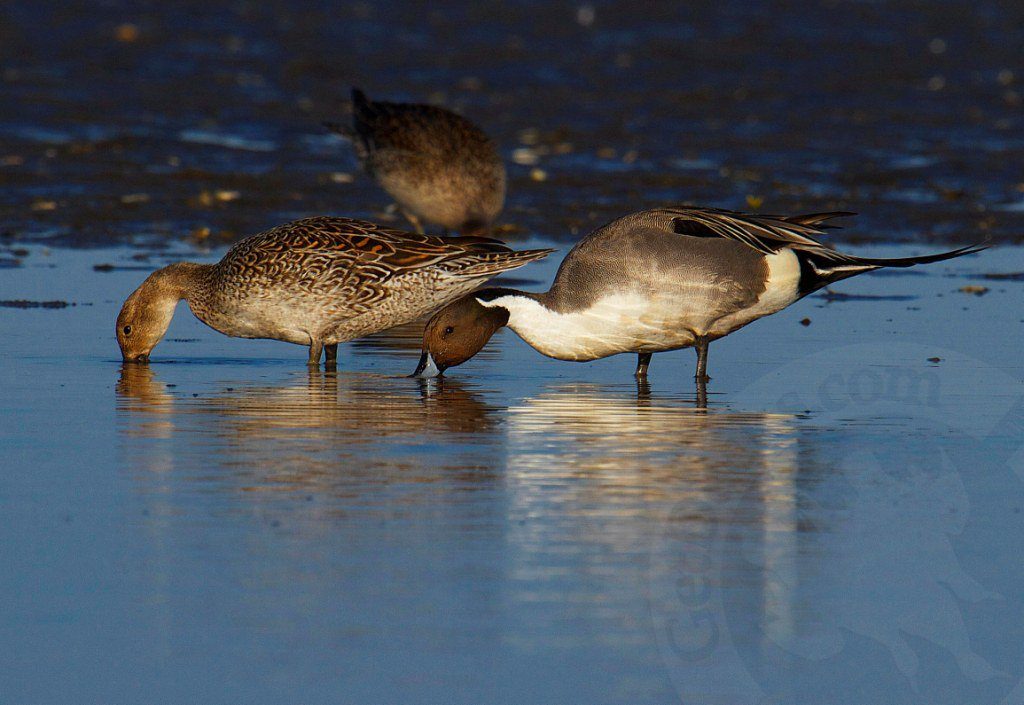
{"x":147,"y":313}
{"x":456,"y":333}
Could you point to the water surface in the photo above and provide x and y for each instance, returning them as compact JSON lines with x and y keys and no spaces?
{"x":223,"y":524}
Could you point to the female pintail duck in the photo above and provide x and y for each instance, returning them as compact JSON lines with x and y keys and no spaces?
{"x":437,"y":165}
{"x":317,"y":282}
{"x":653,"y":281}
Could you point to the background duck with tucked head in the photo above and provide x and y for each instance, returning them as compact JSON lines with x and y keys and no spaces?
{"x":438,"y":166}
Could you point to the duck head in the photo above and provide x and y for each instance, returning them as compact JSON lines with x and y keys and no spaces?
{"x":456,"y":333}
{"x":147,"y":313}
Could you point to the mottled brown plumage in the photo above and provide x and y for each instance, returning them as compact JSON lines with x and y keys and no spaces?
{"x":318,"y":282}
{"x":437,"y":165}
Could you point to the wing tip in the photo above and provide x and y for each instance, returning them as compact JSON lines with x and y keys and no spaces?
{"x":521,"y":257}
{"x":506,"y":260}
{"x":538,"y":253}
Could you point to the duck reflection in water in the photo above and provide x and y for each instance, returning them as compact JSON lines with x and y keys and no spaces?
{"x":147,"y":403}
{"x":626,"y":474}
{"x":323,"y":430}
{"x":589,"y":427}
{"x":644,"y":480}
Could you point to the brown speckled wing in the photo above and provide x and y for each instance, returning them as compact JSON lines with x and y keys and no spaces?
{"x":352,"y":261}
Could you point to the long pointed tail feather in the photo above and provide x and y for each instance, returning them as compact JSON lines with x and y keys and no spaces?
{"x":921,"y":259}
{"x":819,"y":268}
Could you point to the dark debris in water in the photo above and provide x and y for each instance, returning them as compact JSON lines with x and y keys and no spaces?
{"x":25,"y":303}
{"x":1004,"y":276}
{"x":106,"y":267}
{"x":894,"y":272}
{"x":9,"y":263}
{"x":829,"y":295}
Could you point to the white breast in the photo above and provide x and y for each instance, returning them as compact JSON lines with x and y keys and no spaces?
{"x":650,"y":321}
{"x":627,"y":322}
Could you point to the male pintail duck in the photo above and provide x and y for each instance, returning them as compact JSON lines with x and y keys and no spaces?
{"x":653,"y":281}
{"x":317,"y":282}
{"x":437,"y":165}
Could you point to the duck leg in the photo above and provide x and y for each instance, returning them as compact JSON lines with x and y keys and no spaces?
{"x":643,"y":391}
{"x":702,"y":394}
{"x":414,"y":221}
{"x":316,"y":348}
{"x":331,"y":355}
{"x":701,"y":346}
{"x":643,"y":361}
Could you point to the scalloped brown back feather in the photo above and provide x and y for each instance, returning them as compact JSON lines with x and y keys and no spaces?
{"x":334,"y":279}
{"x":310,"y":247}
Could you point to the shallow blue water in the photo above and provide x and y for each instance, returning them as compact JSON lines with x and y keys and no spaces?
{"x":842,"y":524}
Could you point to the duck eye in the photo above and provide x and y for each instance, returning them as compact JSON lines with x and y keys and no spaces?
{"x":449,"y":330}
{"x":127,"y":330}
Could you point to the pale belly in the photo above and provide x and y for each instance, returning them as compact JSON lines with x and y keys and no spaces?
{"x":668,"y":319}
{"x":428,"y":199}
{"x":622,"y":323}
{"x":261,"y":318}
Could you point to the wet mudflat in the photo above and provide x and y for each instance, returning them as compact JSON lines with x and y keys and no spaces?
{"x":201,"y":120}
{"x":223,"y":524}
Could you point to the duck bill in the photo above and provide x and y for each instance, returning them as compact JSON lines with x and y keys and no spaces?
{"x":427,"y":367}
